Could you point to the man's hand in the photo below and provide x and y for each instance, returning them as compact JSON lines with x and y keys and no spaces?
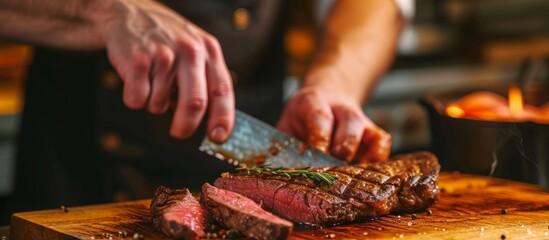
{"x":357,"y":47}
{"x":334,"y":123}
{"x":156,"y":51}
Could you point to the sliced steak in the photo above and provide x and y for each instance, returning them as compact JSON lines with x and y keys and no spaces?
{"x":238,"y":212}
{"x":405,"y":183}
{"x":177,"y":213}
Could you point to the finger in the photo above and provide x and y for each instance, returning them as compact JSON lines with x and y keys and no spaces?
{"x":283,"y":124}
{"x":375,"y":145}
{"x":173,"y":98}
{"x":289,"y":124}
{"x":318,"y":120}
{"x":220,"y":93}
{"x":192,"y":94}
{"x":135,"y":74}
{"x":350,"y":124}
{"x":162,"y":80}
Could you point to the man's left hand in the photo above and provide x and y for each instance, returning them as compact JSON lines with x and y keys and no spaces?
{"x":334,"y":123}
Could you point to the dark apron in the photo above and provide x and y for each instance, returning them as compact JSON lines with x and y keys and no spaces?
{"x":80,"y":145}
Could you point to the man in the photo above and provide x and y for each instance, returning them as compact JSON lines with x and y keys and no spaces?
{"x":165,"y":59}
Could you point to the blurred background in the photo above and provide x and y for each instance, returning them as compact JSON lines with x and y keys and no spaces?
{"x":13,"y":61}
{"x":449,"y":44}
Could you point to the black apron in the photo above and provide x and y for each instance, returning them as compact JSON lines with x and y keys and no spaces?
{"x":80,"y":145}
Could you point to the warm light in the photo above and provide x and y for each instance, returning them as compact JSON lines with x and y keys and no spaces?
{"x":490,"y":106}
{"x":515,"y":102}
{"x":10,"y":102}
{"x":486,"y":115}
{"x":453,"y":110}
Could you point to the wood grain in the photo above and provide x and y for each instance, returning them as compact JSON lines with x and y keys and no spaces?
{"x":470,"y":207}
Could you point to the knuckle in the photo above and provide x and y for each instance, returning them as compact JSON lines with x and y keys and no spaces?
{"x":355,"y":125}
{"x":195,"y":52}
{"x":140,"y":66}
{"x":356,"y":116}
{"x":196,"y":104}
{"x":352,"y":115}
{"x":210,"y":40}
{"x":320,"y":114}
{"x":140,"y":63}
{"x":222,"y":90}
{"x":212,"y":44}
{"x":164,"y":59}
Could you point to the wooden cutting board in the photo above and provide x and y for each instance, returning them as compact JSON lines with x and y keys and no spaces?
{"x":470,"y":207}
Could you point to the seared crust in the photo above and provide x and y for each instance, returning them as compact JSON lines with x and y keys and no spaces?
{"x":405,"y":183}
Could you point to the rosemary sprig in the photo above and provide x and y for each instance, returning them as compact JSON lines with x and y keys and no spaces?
{"x":319,"y":177}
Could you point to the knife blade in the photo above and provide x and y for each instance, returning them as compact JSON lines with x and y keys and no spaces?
{"x":255,"y":142}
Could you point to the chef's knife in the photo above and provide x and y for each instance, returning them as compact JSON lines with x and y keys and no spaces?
{"x":255,"y":142}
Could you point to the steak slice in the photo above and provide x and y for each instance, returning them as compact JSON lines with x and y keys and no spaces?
{"x":238,"y":212}
{"x":405,"y":183}
{"x":177,"y":213}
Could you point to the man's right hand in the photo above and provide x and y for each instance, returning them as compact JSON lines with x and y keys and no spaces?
{"x":157,"y":52}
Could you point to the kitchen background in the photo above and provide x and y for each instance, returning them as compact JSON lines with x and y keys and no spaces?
{"x":449,"y":44}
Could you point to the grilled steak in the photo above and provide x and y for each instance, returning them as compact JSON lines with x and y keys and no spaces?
{"x":176,"y":213}
{"x":243,"y":214}
{"x":403,"y":184}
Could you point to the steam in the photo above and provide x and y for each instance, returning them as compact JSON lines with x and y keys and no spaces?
{"x":499,"y":144}
{"x":494,"y":163}
{"x":515,"y":134}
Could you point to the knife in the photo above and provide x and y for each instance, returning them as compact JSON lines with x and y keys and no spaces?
{"x":254,"y":142}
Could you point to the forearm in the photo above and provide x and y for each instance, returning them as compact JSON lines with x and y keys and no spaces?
{"x":72,"y":24}
{"x":358,"y":45}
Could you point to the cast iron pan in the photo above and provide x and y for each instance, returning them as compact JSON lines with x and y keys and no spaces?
{"x":511,"y":150}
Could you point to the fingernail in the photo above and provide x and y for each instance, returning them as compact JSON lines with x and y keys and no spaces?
{"x":218,"y":134}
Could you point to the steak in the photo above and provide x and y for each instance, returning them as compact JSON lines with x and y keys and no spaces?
{"x":405,"y":183}
{"x":177,"y":213}
{"x":235,"y":211}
